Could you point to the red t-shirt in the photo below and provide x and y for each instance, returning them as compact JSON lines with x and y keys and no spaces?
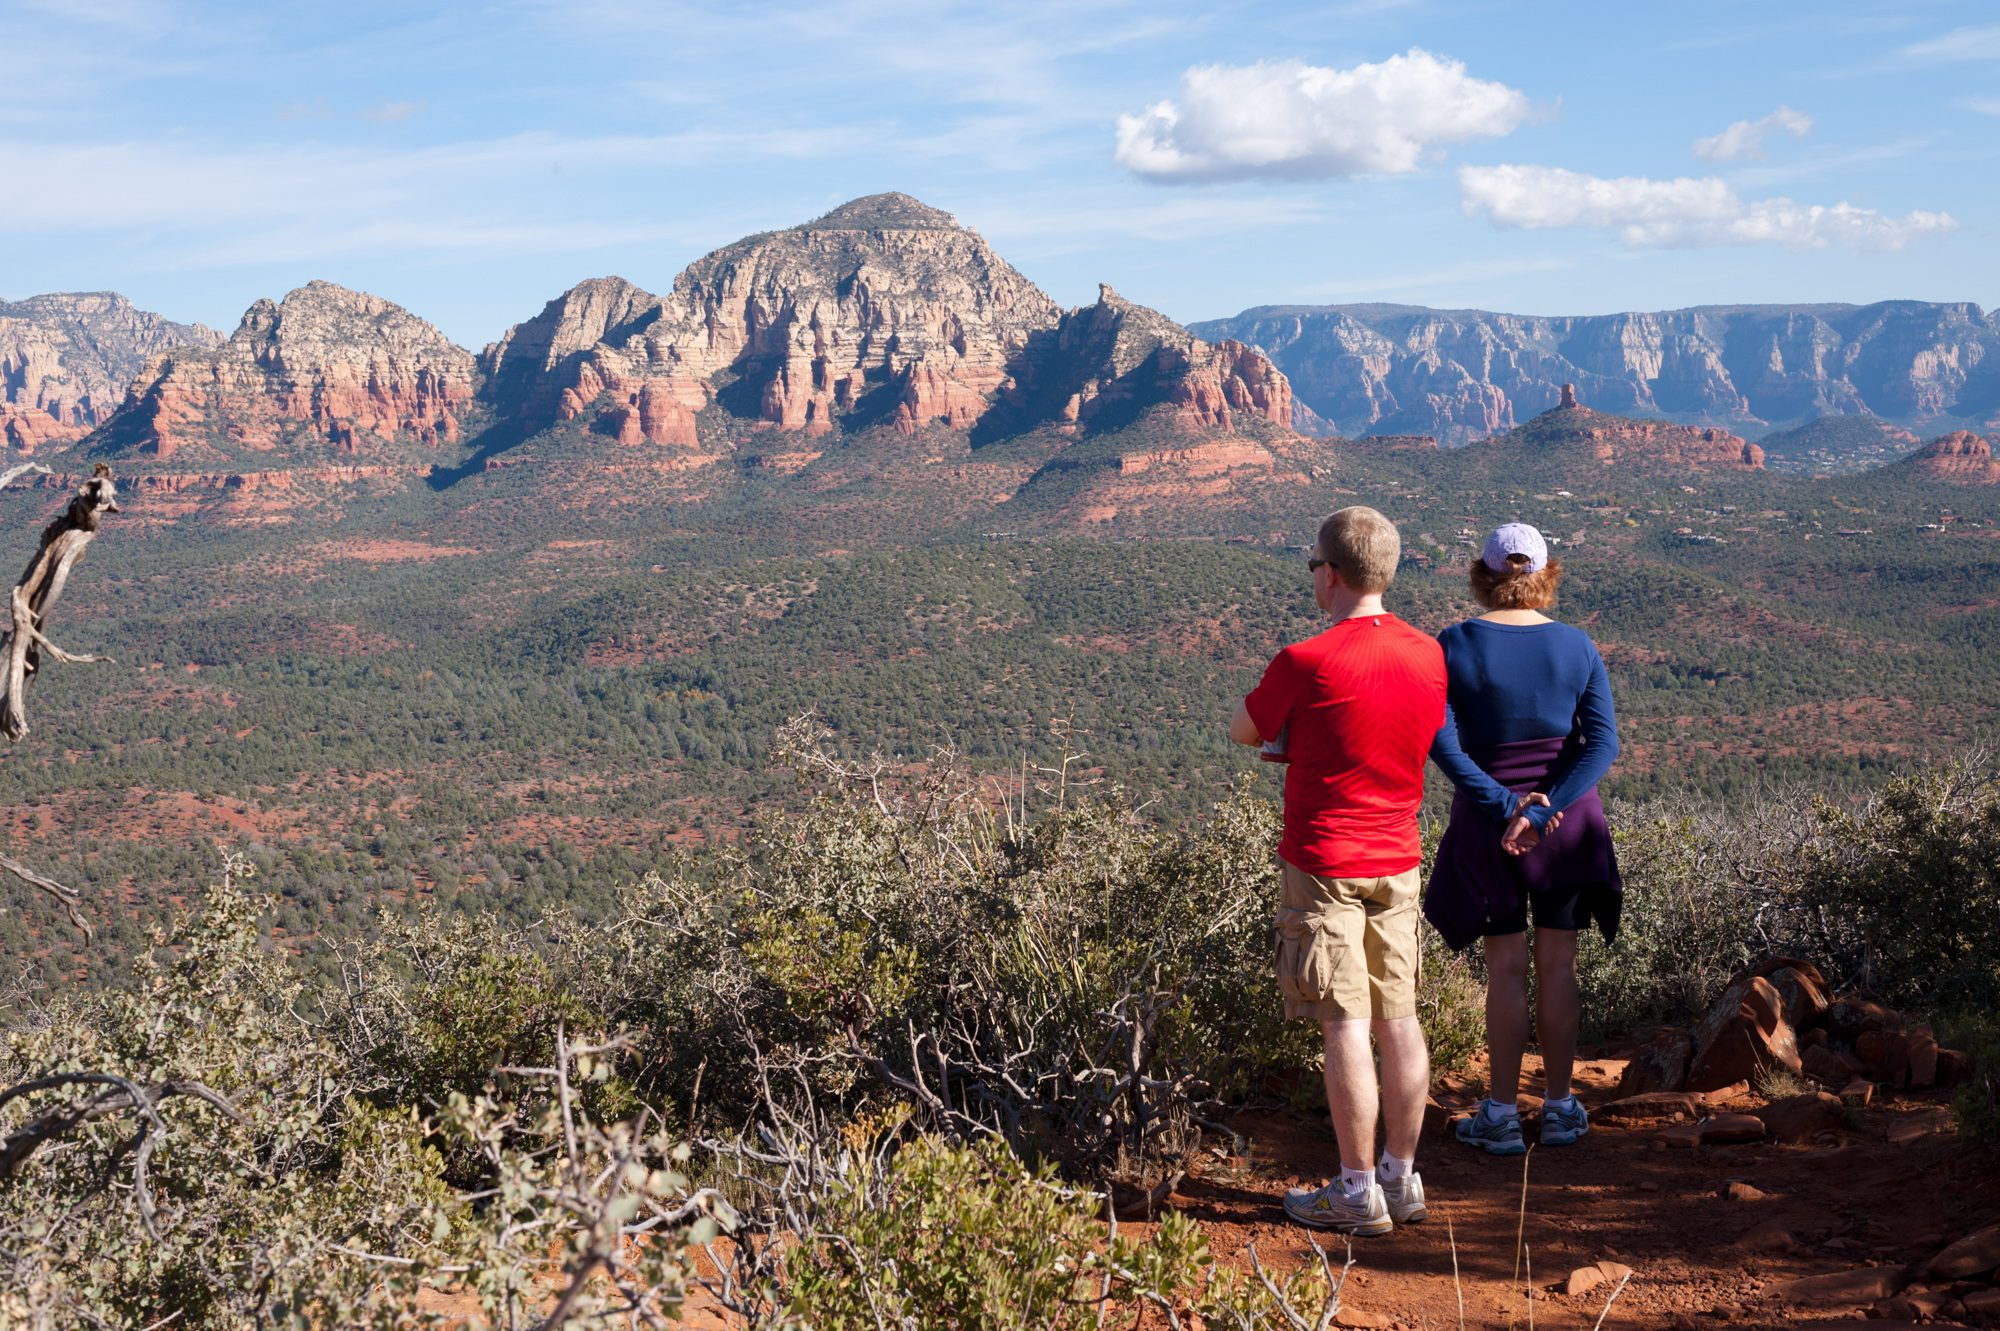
{"x":1360,"y":704}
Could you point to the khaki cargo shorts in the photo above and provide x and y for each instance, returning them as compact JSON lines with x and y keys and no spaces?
{"x":1347,"y":947}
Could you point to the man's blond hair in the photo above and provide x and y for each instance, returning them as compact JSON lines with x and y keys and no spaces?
{"x":1363,"y":547}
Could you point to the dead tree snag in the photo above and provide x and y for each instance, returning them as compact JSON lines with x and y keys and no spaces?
{"x":36,"y":594}
{"x":33,"y":597}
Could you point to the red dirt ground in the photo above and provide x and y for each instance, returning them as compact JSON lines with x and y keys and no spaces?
{"x":1621,"y":1195}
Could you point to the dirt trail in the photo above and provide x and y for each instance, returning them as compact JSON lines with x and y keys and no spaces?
{"x":1623,"y":1195}
{"x":1892,"y":1187}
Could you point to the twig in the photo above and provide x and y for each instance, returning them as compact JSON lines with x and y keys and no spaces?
{"x":1521,"y":1229}
{"x":1613,"y":1299}
{"x":1455,"y":1283}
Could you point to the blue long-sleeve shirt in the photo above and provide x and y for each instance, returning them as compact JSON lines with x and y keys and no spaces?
{"x":1510,"y":682}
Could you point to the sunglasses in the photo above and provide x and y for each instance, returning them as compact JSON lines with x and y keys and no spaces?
{"x":1315,"y":564}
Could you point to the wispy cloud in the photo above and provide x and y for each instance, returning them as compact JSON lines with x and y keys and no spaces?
{"x":1685,"y":211}
{"x":1979,"y":41}
{"x":1047,"y":226}
{"x":394,"y":113}
{"x":1290,"y":120}
{"x":1986,"y":106}
{"x":1422,"y":282}
{"x":1745,"y":138}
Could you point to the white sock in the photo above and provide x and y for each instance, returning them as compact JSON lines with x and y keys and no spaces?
{"x":1393,"y":1169}
{"x":1566,"y":1102}
{"x":1492,"y":1110}
{"x":1354,"y":1182}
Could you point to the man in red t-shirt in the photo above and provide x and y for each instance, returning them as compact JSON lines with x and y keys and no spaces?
{"x":1353,"y":712}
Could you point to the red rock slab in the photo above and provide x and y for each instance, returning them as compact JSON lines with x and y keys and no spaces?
{"x":1732,"y":1128}
{"x":1975,"y":1253}
{"x":1659,"y":1066}
{"x":1771,"y":1236}
{"x":1864,"y":1285}
{"x":1851,"y":1014}
{"x":1650,"y":1107}
{"x":1923,"y":1053}
{"x":1800,"y":1118}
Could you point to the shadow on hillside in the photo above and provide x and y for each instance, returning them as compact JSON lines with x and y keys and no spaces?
{"x":488,"y":444}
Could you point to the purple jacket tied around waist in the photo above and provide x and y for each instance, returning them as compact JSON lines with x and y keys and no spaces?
{"x":1475,"y":882}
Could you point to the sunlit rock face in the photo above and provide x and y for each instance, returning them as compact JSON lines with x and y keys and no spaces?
{"x":883,"y":312}
{"x":325,"y":372}
{"x":66,"y":358}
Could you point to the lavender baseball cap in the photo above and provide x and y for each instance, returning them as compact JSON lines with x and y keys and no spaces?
{"x":1516,"y":538}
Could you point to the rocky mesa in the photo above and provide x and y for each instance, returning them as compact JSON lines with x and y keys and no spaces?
{"x":327,"y":375}
{"x":1634,"y":445}
{"x":1958,"y":458}
{"x":66,"y":358}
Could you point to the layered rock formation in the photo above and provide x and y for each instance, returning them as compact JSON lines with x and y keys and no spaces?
{"x":327,"y":371}
{"x":66,"y":358}
{"x":1961,"y":458}
{"x":534,"y":363}
{"x":1638,"y":445}
{"x":1465,"y":374}
{"x":882,"y":312}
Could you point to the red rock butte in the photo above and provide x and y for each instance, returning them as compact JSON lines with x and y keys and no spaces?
{"x":1961,"y":457}
{"x":1652,"y":445}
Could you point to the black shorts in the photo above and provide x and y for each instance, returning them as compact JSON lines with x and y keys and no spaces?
{"x":1555,"y":908}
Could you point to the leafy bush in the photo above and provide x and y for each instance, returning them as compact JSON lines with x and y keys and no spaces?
{"x":1686,"y":927}
{"x":1902,"y":896}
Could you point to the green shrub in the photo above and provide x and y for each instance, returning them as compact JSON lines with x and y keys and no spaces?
{"x":1902,"y":896}
{"x":1685,"y":929}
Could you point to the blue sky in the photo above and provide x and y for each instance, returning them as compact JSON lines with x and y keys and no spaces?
{"x":472,"y":161}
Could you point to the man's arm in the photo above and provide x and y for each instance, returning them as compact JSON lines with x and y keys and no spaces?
{"x":1242,"y":729}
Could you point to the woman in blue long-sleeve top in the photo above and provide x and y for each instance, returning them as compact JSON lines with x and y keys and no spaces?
{"x":1527,"y":735}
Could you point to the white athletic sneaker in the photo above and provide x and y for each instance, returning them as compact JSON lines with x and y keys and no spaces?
{"x":1405,"y":1198}
{"x":1329,"y":1208}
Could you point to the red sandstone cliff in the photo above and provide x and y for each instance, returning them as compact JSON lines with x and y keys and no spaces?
{"x":66,"y":358}
{"x":326,"y":374}
{"x":882,"y":311}
{"x":1961,"y":457}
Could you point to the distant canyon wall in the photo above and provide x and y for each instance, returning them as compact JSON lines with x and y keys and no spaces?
{"x":1462,"y":375}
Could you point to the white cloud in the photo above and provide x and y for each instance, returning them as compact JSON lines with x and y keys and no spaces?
{"x":1977,"y":42}
{"x":1290,"y":120}
{"x":1681,"y":212}
{"x":1986,"y":106}
{"x":1745,"y":138}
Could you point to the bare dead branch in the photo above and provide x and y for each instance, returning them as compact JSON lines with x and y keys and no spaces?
{"x":35,"y":595}
{"x":71,"y":902}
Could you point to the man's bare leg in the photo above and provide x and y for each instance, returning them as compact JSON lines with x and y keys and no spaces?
{"x":1557,"y":1006}
{"x":1351,"y":1091}
{"x":1506,"y":1015}
{"x":1406,"y":1083}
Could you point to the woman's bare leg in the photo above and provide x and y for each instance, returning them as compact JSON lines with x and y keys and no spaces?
{"x":1558,"y":1008}
{"x":1506,"y":1015}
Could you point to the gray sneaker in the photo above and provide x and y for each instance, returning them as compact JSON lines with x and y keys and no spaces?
{"x":1330,"y":1208}
{"x":1405,"y":1198}
{"x":1494,"y":1138}
{"x":1561,"y":1127}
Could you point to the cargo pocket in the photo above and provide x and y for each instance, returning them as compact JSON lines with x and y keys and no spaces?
{"x":1305,"y":961}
